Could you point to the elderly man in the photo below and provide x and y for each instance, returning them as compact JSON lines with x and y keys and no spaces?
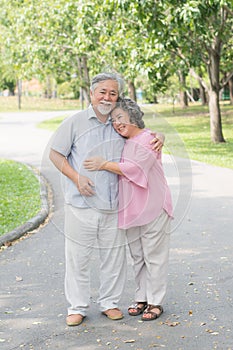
{"x":91,"y":201}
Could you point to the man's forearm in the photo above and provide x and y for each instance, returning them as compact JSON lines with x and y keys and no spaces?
{"x":62,"y":164}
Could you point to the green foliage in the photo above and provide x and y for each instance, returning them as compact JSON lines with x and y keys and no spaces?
{"x":66,"y":38}
{"x":64,"y":90}
{"x":6,"y":84}
{"x":19,"y":195}
{"x":48,"y":36}
{"x":128,"y":36}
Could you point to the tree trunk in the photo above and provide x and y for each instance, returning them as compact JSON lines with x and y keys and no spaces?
{"x":84,"y":78}
{"x":48,"y":90}
{"x":214,"y":106}
{"x":183,"y":99}
{"x":86,"y":96}
{"x":183,"y":93}
{"x":19,"y":83}
{"x":202,"y":94}
{"x":215,"y":118}
{"x":132,"y":90}
{"x":54,"y":94}
{"x":231,"y":90}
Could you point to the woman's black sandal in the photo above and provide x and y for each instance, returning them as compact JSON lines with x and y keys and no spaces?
{"x":153,"y":314}
{"x":139,"y":307}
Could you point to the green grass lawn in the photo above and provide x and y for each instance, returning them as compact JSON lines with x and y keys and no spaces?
{"x":19,"y":195}
{"x":188,"y":133}
{"x":51,"y":124}
{"x":10,"y":104}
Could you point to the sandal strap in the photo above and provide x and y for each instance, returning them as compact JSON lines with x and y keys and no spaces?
{"x":150,"y":307}
{"x":135,"y":306}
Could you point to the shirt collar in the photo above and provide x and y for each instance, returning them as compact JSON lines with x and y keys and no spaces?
{"x":91,"y":114}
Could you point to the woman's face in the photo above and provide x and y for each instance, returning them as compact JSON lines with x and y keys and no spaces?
{"x":121,"y":123}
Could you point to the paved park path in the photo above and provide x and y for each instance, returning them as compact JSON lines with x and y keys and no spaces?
{"x":199,"y":303}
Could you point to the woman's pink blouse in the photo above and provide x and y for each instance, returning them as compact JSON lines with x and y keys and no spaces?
{"x":143,"y":189}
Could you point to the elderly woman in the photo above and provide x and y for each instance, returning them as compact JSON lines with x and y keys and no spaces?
{"x":145,"y":207}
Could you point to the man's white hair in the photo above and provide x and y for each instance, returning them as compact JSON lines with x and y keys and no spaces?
{"x":109,"y":76}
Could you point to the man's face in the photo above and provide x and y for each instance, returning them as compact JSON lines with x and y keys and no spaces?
{"x":104,"y":97}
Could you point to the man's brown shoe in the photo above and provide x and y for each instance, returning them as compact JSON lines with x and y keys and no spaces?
{"x":113,"y":314}
{"x":74,"y":319}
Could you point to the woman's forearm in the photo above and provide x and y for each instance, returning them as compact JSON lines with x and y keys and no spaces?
{"x":99,"y":163}
{"x":113,"y":167}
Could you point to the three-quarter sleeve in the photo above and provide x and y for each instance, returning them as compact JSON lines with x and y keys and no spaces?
{"x":138,"y":163}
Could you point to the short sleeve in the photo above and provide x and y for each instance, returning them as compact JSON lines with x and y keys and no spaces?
{"x":63,"y":138}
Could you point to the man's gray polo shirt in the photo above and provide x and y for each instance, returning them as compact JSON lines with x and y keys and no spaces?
{"x":82,"y":136}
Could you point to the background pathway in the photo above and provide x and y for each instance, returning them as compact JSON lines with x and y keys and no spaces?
{"x":199,"y":305}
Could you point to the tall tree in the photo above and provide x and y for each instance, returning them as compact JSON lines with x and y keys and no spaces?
{"x":55,"y":37}
{"x":231,"y":90}
{"x":207,"y":28}
{"x":195,"y":33}
{"x":183,"y":90}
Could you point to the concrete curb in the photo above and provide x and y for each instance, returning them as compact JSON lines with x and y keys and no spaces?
{"x":37,"y":220}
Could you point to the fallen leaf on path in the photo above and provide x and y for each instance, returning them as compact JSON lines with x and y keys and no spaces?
{"x":156,"y":346}
{"x":25,"y":308}
{"x":211,"y":332}
{"x":8,"y":244}
{"x":18,"y":278}
{"x":129,"y":341}
{"x":171,"y":323}
{"x":8,"y":312}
